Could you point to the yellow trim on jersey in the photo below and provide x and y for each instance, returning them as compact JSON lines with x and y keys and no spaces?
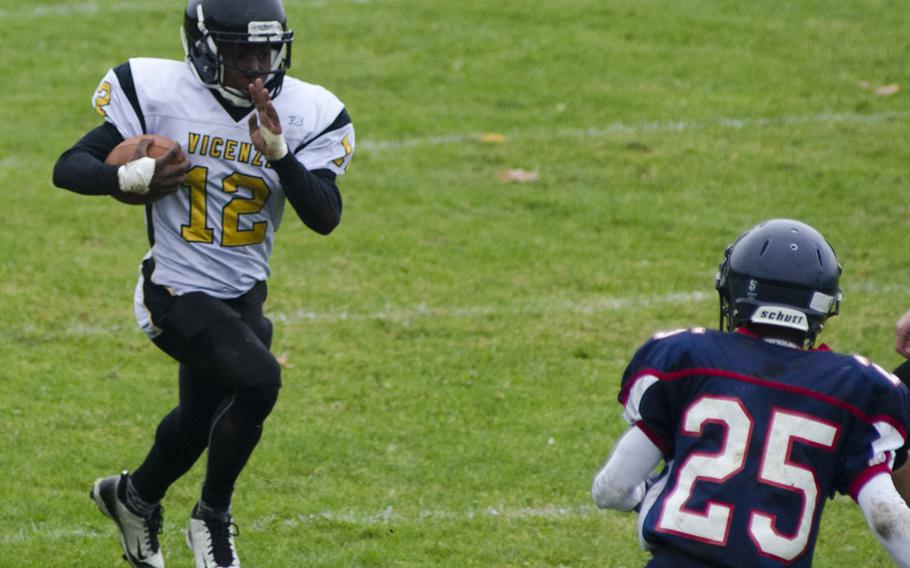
{"x":231,"y":233}
{"x":346,"y":144}
{"x":197,"y":231}
{"x":103,"y":98}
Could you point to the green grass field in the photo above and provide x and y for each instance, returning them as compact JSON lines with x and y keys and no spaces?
{"x":453,"y":350}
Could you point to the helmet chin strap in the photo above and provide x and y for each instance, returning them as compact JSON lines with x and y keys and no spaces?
{"x":230,"y":97}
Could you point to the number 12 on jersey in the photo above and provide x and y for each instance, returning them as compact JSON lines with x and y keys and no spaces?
{"x":198,"y":230}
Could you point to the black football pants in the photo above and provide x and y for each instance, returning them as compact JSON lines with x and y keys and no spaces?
{"x":229,"y":382}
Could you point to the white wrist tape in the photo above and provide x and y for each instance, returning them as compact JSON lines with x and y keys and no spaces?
{"x":275,"y":145}
{"x":135,"y":176}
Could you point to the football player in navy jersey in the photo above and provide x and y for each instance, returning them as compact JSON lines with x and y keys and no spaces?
{"x":755,"y":426}
{"x":251,"y":140}
{"x":902,"y":346}
{"x":902,"y":335}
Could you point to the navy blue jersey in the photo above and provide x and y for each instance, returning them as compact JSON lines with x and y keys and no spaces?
{"x":756,"y":435}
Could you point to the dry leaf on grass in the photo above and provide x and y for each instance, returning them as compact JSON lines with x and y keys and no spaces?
{"x":493,"y":138}
{"x":518,"y":176}
{"x":880,"y":90}
{"x":887,"y":90}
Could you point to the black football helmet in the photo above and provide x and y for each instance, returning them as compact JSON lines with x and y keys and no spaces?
{"x":210,"y":24}
{"x":780,"y":272}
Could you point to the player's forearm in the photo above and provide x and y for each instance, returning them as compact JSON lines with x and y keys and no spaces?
{"x":620,"y":484}
{"x":608,"y":493}
{"x":888,"y":516}
{"x":79,"y":171}
{"x":316,"y":199}
{"x":82,"y":169}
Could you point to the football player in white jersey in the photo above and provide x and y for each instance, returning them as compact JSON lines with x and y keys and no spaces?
{"x":251,"y":139}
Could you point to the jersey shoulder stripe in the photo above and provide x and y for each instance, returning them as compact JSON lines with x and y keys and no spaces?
{"x":132,"y":94}
{"x":124,"y":73}
{"x":317,"y":126}
{"x":343,"y":119}
{"x":699,"y":373}
{"x":168,"y":90}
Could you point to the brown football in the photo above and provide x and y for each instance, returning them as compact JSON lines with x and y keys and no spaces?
{"x":123,"y":152}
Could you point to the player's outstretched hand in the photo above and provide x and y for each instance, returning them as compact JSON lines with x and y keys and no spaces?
{"x":902,"y":335}
{"x":170,"y":167}
{"x":265,"y":126}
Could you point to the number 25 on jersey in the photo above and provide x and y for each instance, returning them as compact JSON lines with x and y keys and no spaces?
{"x":777,"y":470}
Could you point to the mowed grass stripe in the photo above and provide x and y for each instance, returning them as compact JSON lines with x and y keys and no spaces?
{"x":590,"y":305}
{"x":640,"y":128}
{"x":361,"y":518}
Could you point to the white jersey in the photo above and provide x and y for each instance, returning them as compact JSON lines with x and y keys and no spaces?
{"x":215,"y":234}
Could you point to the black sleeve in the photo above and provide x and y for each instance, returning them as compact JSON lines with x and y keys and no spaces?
{"x":313,"y":194}
{"x":82,"y":169}
{"x":903,"y":372}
